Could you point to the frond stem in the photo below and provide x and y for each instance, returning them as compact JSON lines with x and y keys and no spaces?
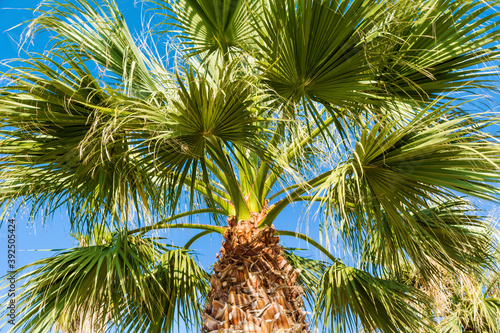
{"x":217,"y":173}
{"x":292,"y":197}
{"x":288,"y":188}
{"x":196,"y":237}
{"x":164,"y":224}
{"x":220,"y":158}
{"x":308,"y":240}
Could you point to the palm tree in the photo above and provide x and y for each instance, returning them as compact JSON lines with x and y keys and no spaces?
{"x":360,"y":109}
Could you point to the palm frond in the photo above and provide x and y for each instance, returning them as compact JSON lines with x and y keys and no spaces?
{"x":95,"y":281}
{"x":179,"y":286}
{"x":454,"y":233}
{"x":397,"y":172}
{"x":451,"y":324}
{"x":207,"y":122}
{"x":470,"y":309}
{"x":348,"y":295}
{"x":61,"y":144}
{"x":98,"y":235}
{"x":423,"y":49}
{"x":315,"y":49}
{"x":96,"y":30}
{"x":310,"y":274}
{"x":213,"y":29}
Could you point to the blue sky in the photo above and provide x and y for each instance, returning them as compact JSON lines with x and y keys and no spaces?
{"x":34,"y":238}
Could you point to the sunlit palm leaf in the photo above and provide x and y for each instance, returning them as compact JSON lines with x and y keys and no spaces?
{"x":454,"y":234}
{"x":99,"y":279}
{"x":98,"y":235}
{"x":397,"y":172}
{"x":180,"y":287}
{"x":316,"y":49}
{"x":62,"y":145}
{"x":470,"y":310}
{"x":451,"y":324}
{"x":425,"y":48}
{"x":218,"y":28}
{"x":223,"y":111}
{"x":97,"y":30}
{"x":207,"y":121}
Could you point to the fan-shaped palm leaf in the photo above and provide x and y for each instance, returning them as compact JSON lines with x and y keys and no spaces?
{"x":315,"y":49}
{"x":450,"y":228}
{"x":126,"y":278}
{"x":348,"y":295}
{"x":473,"y":305}
{"x":96,"y":30}
{"x":423,"y":49}
{"x":396,"y":173}
{"x":213,"y":28}
{"x":65,"y":143}
{"x":179,"y":286}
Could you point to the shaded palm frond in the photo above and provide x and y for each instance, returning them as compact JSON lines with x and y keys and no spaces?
{"x":348,"y":295}
{"x":310,"y":273}
{"x":179,"y":286}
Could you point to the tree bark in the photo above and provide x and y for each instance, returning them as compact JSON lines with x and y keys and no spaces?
{"x":85,"y":324}
{"x":253,"y":285}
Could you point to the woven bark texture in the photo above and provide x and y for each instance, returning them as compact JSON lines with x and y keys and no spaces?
{"x":253,"y":285}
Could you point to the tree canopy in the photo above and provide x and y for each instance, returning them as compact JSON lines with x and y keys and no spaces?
{"x":368,"y":112}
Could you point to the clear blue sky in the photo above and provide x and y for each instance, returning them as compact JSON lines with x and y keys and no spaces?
{"x":31,"y":238}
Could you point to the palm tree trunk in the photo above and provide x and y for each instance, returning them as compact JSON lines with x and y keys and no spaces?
{"x":85,"y":324}
{"x":253,"y":285}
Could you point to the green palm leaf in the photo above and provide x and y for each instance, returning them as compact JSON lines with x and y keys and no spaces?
{"x":112,"y":283}
{"x":310,"y":274}
{"x":397,"y":173}
{"x":348,"y":295}
{"x":96,"y":30}
{"x":453,"y":235}
{"x":426,"y":48}
{"x":315,"y":49}
{"x":202,"y":132}
{"x":213,"y":28}
{"x":97,"y":279}
{"x":180,"y":287}
{"x":61,"y":144}
{"x":470,"y":310}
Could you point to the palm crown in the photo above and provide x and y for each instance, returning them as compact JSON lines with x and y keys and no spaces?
{"x":354,"y":107}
